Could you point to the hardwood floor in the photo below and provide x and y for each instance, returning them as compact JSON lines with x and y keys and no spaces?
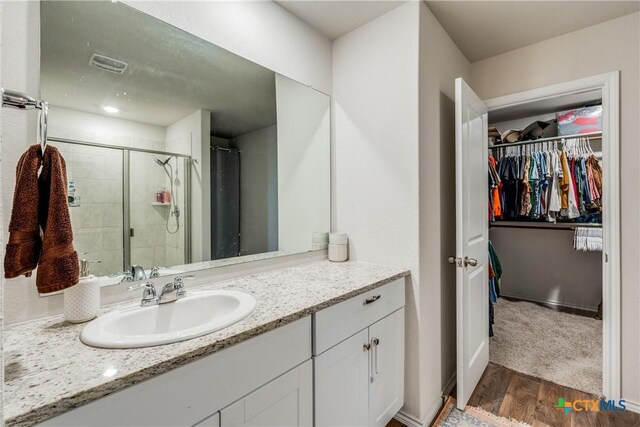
{"x":511,"y":394}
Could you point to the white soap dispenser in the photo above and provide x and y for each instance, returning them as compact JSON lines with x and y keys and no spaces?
{"x":82,"y":301}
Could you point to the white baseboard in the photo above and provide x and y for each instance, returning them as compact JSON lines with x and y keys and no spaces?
{"x":410,"y":421}
{"x":632,"y":406}
{"x":450,"y":385}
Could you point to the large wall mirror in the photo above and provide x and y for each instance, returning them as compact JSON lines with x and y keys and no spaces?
{"x":180,"y":155}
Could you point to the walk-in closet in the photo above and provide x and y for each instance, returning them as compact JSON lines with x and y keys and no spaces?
{"x":545,"y":214}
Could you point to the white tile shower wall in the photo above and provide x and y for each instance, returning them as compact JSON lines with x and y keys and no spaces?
{"x":97,"y":222}
{"x":97,"y":172}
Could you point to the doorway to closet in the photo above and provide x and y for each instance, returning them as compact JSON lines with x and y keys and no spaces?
{"x":537,"y":264}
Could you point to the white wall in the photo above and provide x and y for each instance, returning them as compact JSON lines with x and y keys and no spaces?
{"x":258,"y":190}
{"x":21,"y":64}
{"x":1,"y":256}
{"x":376,"y":176}
{"x":612,"y":45}
{"x":190,"y":136}
{"x":260,"y":31}
{"x":304,"y":194}
{"x":112,"y":130}
{"x":441,"y":62}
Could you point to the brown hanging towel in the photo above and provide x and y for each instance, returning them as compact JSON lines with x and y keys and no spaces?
{"x":58,"y":266}
{"x":24,"y":245}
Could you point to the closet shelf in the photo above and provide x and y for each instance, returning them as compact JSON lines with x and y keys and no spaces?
{"x":544,"y":225}
{"x":592,"y":135}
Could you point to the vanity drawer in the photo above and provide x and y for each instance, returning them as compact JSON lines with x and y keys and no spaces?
{"x":337,"y":323}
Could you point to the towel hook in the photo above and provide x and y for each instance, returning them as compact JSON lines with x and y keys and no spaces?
{"x":19,"y":100}
{"x":44,"y":115}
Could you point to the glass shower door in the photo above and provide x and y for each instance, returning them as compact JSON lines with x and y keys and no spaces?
{"x":157,"y":209}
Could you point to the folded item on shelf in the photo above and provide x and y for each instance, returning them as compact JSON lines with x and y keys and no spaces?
{"x":512,"y":135}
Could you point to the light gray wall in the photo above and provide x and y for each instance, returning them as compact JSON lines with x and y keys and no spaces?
{"x":393,"y":179}
{"x":612,"y":45}
{"x":1,"y":257}
{"x":375,"y":125}
{"x":441,"y":62}
{"x":258,"y":190}
{"x":541,"y":265}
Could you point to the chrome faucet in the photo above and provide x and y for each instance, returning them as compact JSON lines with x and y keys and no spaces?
{"x":149,"y":296}
{"x":176,"y":286}
{"x":138,"y":272}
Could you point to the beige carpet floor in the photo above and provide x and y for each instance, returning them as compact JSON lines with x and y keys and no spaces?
{"x":558,"y":347}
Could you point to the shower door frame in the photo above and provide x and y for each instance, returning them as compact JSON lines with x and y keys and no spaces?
{"x":126,"y":201}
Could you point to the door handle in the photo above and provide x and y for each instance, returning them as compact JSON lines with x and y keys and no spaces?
{"x":455,"y":260}
{"x":470,"y":262}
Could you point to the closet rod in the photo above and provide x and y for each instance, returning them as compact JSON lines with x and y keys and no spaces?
{"x":544,"y":225}
{"x":592,"y":135}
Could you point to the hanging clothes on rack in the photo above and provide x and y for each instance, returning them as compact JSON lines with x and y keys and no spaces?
{"x":495,"y":191}
{"x":542,"y":182}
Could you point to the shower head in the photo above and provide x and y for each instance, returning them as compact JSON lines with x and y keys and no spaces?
{"x":161,"y":163}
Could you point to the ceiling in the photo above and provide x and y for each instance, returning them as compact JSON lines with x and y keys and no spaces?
{"x":336,"y":18}
{"x":170,"y":73}
{"x":482,"y":29}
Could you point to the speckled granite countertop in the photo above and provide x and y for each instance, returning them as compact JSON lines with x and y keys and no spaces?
{"x":48,"y":371}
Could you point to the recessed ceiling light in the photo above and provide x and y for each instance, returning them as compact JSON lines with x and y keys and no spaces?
{"x":110,"y":109}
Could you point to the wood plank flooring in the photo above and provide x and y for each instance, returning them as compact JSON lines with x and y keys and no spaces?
{"x":511,"y":394}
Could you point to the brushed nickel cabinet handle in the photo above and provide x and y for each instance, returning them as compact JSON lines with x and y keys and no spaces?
{"x":372,"y":299}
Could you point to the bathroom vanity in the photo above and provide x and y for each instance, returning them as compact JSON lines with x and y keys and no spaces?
{"x":324,"y":346}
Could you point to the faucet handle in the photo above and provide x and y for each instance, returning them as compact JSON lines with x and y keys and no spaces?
{"x":179,"y":279}
{"x":149,"y":296}
{"x":127,"y":276}
{"x":147,"y":286}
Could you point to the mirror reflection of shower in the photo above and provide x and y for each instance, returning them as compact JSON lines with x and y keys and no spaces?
{"x":173,"y":203}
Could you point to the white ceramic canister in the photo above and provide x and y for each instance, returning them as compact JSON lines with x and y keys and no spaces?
{"x":82,"y":301}
{"x":338,"y":247}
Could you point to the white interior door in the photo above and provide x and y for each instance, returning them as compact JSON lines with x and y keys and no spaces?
{"x":472,"y":287}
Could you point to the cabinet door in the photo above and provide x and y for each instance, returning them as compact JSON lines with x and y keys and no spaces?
{"x":386,"y":390}
{"x":342,"y":383}
{"x":285,"y":401}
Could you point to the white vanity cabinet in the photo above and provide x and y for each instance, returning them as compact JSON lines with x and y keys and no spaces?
{"x":195,"y":392}
{"x":284,"y":402}
{"x":359,"y":359}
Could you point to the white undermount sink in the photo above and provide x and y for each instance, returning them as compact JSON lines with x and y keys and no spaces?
{"x":199,"y":313}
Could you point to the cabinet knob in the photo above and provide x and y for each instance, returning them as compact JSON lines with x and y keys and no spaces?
{"x":366,"y":347}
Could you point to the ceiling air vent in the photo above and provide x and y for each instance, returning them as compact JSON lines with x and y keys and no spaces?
{"x":107,"y":64}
